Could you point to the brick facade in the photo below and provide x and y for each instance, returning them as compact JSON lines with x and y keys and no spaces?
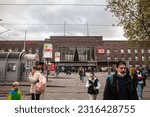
{"x":109,"y":53}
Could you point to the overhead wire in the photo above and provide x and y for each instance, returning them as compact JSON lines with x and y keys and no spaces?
{"x":48,"y":4}
{"x":59,"y":24}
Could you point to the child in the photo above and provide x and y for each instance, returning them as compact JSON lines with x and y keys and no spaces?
{"x":15,"y":93}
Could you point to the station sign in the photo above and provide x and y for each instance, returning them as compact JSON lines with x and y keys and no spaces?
{"x":101,"y":50}
{"x":48,"y":50}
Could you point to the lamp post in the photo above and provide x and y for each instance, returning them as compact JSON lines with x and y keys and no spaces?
{"x":108,"y":66}
{"x":24,"y":44}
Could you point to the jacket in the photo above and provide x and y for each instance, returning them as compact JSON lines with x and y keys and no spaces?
{"x":33,"y":80}
{"x":93,"y":86}
{"x":113,"y":91}
{"x":14,"y":95}
{"x":136,"y":80}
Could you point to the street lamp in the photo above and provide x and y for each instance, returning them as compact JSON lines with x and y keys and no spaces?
{"x":108,"y":58}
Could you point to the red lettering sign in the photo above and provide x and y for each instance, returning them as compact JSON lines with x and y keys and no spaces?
{"x":101,"y":51}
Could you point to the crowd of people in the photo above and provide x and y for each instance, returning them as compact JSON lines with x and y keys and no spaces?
{"x":124,"y":84}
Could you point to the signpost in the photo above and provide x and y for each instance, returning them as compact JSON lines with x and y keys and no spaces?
{"x":48,"y":54}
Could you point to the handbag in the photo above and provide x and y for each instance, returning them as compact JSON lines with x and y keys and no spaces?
{"x":41,"y":85}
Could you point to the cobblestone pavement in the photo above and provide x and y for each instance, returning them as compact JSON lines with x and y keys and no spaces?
{"x":65,"y":87}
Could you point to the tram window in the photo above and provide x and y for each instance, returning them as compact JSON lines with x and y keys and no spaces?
{"x":11,"y":67}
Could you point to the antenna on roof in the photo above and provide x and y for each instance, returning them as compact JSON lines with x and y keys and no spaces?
{"x":24,"y":46}
{"x":65,"y":28}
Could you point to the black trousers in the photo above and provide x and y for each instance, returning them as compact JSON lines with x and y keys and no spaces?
{"x":35,"y":96}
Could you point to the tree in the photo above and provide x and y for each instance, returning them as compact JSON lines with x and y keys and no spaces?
{"x":134,"y":16}
{"x":76,"y":56}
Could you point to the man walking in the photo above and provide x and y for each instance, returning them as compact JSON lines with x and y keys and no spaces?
{"x":120,"y":86}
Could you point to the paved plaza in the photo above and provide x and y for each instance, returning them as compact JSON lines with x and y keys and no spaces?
{"x":64,"y":87}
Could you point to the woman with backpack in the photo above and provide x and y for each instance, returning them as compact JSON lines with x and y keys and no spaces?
{"x":34,"y":78}
{"x":93,"y":85}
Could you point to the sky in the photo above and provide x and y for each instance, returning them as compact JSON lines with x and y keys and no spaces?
{"x":42,"y":21}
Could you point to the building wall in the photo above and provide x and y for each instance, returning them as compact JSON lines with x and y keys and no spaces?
{"x":119,"y":50}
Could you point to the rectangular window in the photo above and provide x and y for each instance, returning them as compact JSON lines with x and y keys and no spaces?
{"x":11,"y":67}
{"x":116,"y":59}
{"x":142,"y":51}
{"x":129,"y":51}
{"x":149,"y":51}
{"x":123,"y":59}
{"x":136,"y":65}
{"x":129,"y":58}
{"x":122,"y":51}
{"x":108,"y":58}
{"x":143,"y":58}
{"x":135,"y":51}
{"x":115,"y":51}
{"x":108,"y":51}
{"x":136,"y":58}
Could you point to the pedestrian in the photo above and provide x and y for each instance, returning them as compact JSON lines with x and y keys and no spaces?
{"x":57,"y":70}
{"x":139,"y":80}
{"x":34,"y":78}
{"x":93,"y":85}
{"x":82,"y":74}
{"x":15,"y":93}
{"x":119,"y":86}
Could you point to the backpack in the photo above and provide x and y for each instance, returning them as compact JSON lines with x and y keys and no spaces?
{"x":111,"y":79}
{"x":41,"y":85}
{"x":91,"y":89}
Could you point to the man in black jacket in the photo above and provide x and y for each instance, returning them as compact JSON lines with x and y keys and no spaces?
{"x":120,"y":85}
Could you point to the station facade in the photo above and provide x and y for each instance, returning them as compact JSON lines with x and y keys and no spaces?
{"x":86,"y":51}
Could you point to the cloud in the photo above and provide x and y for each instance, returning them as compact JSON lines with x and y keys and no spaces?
{"x":41,"y":21}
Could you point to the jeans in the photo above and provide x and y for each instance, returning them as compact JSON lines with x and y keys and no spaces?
{"x":140,"y":90}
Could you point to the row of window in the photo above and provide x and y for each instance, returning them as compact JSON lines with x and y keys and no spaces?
{"x":122,"y":51}
{"x":136,"y":58}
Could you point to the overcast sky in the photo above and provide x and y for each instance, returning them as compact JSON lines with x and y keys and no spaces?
{"x":42,"y":21}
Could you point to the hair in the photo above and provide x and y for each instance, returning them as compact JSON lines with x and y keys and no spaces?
{"x":92,"y":73}
{"x":138,"y":69}
{"x":34,"y":67}
{"x":120,"y":63}
{"x":38,"y":67}
{"x":15,"y":83}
